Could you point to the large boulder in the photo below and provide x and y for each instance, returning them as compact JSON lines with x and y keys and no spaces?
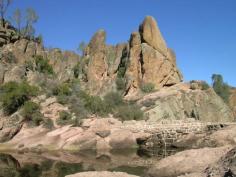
{"x":16,"y":74}
{"x":189,"y":161}
{"x":214,"y":139}
{"x":181,"y":101}
{"x":101,"y":174}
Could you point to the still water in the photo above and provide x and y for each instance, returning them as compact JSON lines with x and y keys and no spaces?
{"x":60,"y":164}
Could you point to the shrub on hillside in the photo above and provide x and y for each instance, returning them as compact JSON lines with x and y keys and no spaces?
{"x":205,"y":85}
{"x":220,"y":87}
{"x":42,"y":65}
{"x":64,"y":118}
{"x":148,"y":87}
{"x":113,"y":99}
{"x":13,"y":95}
{"x":129,"y":112}
{"x":120,"y":84}
{"x":48,"y":123}
{"x":76,"y":70}
{"x":31,"y":113}
{"x":62,"y":89}
{"x":96,"y":105}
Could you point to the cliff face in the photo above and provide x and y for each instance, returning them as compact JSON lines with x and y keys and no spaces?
{"x":144,"y":60}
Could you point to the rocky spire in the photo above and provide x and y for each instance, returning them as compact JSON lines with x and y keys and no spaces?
{"x":151,"y":35}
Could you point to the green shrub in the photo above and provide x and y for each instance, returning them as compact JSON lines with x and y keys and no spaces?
{"x":77,"y":122}
{"x":113,"y":99}
{"x":62,"y":89}
{"x":29,"y":65}
{"x":31,"y":113}
{"x":205,"y":85}
{"x":129,"y":112}
{"x":220,"y":87}
{"x":120,"y":84}
{"x":95,"y":105}
{"x":149,"y":103}
{"x":64,"y":118}
{"x":37,"y":118}
{"x":76,"y":70}
{"x":148,"y":87}
{"x":48,"y":123}
{"x":42,"y":65}
{"x":13,"y":95}
{"x":29,"y":109}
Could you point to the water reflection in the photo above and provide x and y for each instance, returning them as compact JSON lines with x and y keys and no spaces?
{"x":60,"y":164}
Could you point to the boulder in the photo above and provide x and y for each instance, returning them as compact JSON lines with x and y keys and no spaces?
{"x":226,"y":166}
{"x":218,"y":138}
{"x":16,"y":73}
{"x":101,"y":174}
{"x":122,"y":139}
{"x":181,"y":102}
{"x":189,"y":161}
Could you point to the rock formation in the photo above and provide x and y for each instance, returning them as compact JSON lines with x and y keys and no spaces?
{"x":179,"y":164}
{"x":8,"y":34}
{"x":185,"y":100}
{"x":102,"y":173}
{"x":146,"y":59}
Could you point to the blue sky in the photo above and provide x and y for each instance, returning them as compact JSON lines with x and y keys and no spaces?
{"x":202,"y":32}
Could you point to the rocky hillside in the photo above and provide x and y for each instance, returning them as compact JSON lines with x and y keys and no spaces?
{"x":144,"y":60}
{"x":232,"y":100}
{"x":129,"y":81}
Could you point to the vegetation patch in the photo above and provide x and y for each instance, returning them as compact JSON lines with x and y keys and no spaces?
{"x":31,"y":113}
{"x":42,"y":65}
{"x":120,"y":84}
{"x":148,"y":87}
{"x":65,"y":118}
{"x":220,"y":87}
{"x":13,"y":95}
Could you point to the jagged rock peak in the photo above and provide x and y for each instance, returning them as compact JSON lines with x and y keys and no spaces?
{"x":98,"y":40}
{"x":151,"y":35}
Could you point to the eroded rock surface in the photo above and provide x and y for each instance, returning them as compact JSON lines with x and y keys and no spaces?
{"x":182,"y":101}
{"x":102,"y":174}
{"x":190,"y":161}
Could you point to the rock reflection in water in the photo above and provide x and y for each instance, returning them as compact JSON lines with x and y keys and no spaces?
{"x":60,"y":164}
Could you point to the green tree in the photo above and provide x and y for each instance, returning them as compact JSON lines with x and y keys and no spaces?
{"x":4,"y":4}
{"x":220,"y":87}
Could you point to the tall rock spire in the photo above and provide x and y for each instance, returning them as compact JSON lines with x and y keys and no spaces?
{"x":151,"y":35}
